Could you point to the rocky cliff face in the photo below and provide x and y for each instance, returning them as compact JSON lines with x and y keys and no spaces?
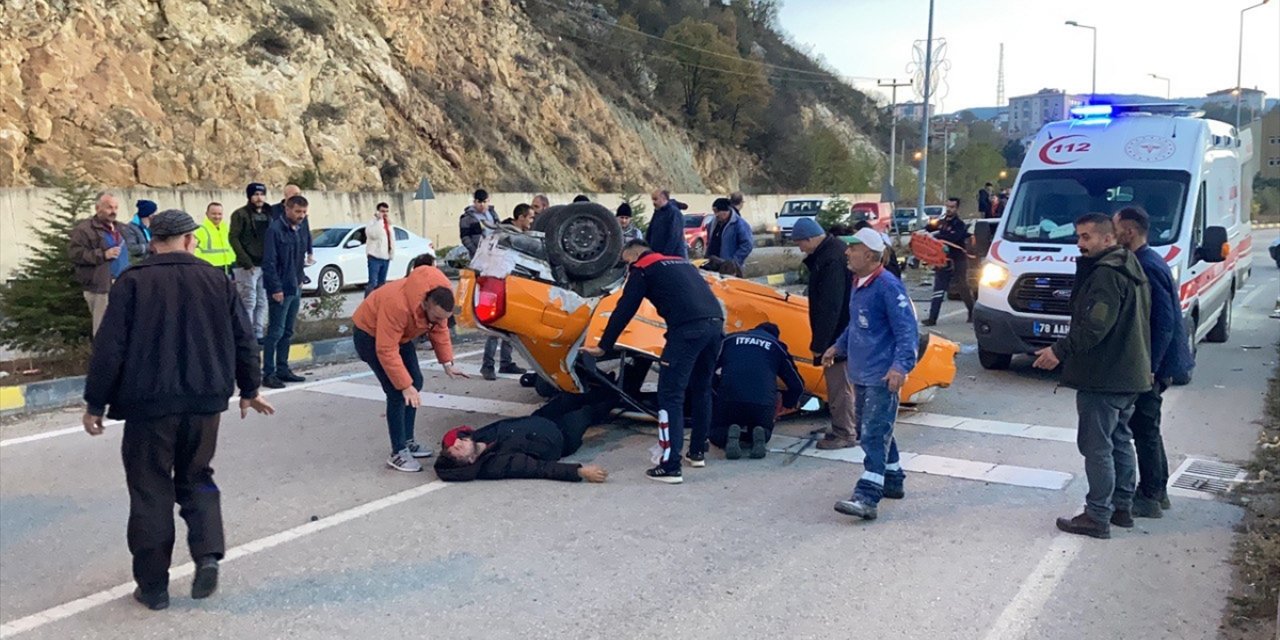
{"x":367,"y":94}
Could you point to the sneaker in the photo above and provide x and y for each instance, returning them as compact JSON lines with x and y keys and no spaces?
{"x":669,"y":476}
{"x":512,"y":368}
{"x":696,"y":460}
{"x":1122,"y":519}
{"x":416,"y":450}
{"x":154,"y":601}
{"x":832,"y":443}
{"x":206,"y":580}
{"x":1085,"y":526}
{"x":759,"y":443}
{"x":733,"y":446}
{"x":857,"y":509}
{"x":272,"y":382}
{"x":289,"y":376}
{"x":403,"y":461}
{"x":488,"y":374}
{"x":1146,"y":508}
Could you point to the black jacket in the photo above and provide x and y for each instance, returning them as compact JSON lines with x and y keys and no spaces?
{"x":175,"y":340}
{"x":284,"y":257}
{"x":750,"y":364}
{"x":673,"y":285}
{"x":665,"y":234}
{"x":517,"y":448}
{"x":829,"y":284}
{"x":277,"y":211}
{"x":248,"y":233}
{"x":1108,"y":348}
{"x":1170,"y":353}
{"x":955,"y":231}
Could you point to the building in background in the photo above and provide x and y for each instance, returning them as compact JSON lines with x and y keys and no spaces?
{"x":1267,"y":148}
{"x":1251,"y":100}
{"x":1030,"y":112}
{"x":912,"y":111}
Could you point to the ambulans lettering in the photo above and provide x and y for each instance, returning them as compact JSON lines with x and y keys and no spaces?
{"x":1044,"y":258}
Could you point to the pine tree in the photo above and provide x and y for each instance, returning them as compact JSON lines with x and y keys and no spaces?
{"x":43,"y":311}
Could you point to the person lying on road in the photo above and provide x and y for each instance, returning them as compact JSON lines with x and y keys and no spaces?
{"x":529,"y":447}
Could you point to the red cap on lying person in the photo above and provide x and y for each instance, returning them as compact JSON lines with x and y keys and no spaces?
{"x":451,"y":437}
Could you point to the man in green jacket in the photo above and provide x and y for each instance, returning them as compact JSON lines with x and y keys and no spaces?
{"x":1106,"y":358}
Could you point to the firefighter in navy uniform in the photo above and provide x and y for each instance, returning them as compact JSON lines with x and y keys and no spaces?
{"x":695,"y":327}
{"x":954,"y":231}
{"x":751,"y":363}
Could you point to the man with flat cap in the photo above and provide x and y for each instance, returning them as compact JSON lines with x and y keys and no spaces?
{"x":174,"y":345}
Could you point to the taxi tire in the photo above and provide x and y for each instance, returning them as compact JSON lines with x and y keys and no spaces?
{"x":994,"y":361}
{"x":590,"y":221}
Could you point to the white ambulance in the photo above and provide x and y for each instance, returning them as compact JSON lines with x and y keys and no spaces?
{"x":1184,"y":170}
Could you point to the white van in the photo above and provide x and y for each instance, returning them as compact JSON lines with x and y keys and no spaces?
{"x":792,"y":211}
{"x":1184,"y":170}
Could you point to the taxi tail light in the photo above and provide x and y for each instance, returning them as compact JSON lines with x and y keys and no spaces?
{"x":491,"y":299}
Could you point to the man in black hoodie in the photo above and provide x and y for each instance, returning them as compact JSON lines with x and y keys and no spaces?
{"x":1106,"y":358}
{"x":829,"y":285}
{"x":172,"y":303}
{"x":248,"y":234}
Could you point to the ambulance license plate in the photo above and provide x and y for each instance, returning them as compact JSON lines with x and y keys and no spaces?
{"x":1051,"y":329}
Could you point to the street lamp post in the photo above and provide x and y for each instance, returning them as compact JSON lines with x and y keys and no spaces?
{"x":1093,"y":91}
{"x":924,"y":127}
{"x":1168,"y":85}
{"x":1240,"y":64}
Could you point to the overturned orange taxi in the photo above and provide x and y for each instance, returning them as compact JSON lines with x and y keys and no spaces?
{"x":551,"y":292}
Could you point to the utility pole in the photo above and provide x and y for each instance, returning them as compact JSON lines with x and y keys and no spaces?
{"x":893,"y":133}
{"x":1240,"y":66}
{"x":1000,"y":79}
{"x":945,"y":134}
{"x":924,"y":128}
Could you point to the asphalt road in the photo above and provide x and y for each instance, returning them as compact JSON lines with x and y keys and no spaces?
{"x":746,"y":549}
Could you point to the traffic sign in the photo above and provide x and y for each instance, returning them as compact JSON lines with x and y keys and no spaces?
{"x":424,"y":191}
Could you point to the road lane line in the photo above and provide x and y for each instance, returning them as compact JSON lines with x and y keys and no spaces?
{"x":66,"y":610}
{"x":944,"y":466}
{"x":992,"y":427}
{"x":1248,"y":299}
{"x":266,"y":392}
{"x":432,"y":400}
{"x":1014,"y":623}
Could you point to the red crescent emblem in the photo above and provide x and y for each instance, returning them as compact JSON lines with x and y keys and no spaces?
{"x":1044,"y":151}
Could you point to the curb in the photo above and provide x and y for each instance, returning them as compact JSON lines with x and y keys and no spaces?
{"x":62,"y":392}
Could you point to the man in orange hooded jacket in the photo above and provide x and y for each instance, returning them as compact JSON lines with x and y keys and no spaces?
{"x":387,"y":323}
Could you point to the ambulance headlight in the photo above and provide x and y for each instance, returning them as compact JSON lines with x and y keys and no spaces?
{"x":994,"y":276}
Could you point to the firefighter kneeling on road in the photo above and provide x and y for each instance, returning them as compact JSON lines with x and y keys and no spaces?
{"x":751,"y":362}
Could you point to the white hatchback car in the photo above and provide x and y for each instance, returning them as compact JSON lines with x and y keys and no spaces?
{"x":341,"y":260}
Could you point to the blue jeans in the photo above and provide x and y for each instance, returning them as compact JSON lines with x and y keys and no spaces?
{"x":400,"y":417}
{"x":1104,"y":439}
{"x":377,"y":274}
{"x":688,"y":363}
{"x":281,"y":316}
{"x":876,"y":408}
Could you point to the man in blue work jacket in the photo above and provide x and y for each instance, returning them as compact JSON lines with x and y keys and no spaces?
{"x":730,"y":235}
{"x":880,"y":343}
{"x":750,"y":365}
{"x":695,"y":327}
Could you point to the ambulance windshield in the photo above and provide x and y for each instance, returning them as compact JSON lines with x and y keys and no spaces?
{"x":1048,"y":202}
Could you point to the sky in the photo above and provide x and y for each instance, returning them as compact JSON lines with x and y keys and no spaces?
{"x":1196,"y":48}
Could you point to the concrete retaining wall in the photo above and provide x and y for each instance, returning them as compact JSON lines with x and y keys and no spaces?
{"x":22,"y":208}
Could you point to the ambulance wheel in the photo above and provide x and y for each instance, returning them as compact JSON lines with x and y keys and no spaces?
{"x":994,"y":361}
{"x":1221,"y":332}
{"x":582,"y":238}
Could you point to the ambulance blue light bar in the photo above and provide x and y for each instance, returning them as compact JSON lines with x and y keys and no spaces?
{"x":1103,"y":111}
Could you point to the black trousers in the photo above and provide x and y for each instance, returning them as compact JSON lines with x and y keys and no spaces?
{"x":1153,"y":465}
{"x":942,"y":284}
{"x":166,"y":461}
{"x":743,"y":414}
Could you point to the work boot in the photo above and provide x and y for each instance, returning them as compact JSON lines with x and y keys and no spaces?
{"x":1164,"y":502}
{"x":205,"y":581}
{"x":733,"y":446}
{"x":1085,"y":526}
{"x":290,"y":376}
{"x":1122,"y":519}
{"x":668,"y":476}
{"x":154,"y":601}
{"x":272,"y":382}
{"x":832,"y":442}
{"x":487,"y":373}
{"x":857,"y":509}
{"x":1146,"y":508}
{"x":759,"y":442}
{"x":928,"y":323}
{"x":512,"y":368}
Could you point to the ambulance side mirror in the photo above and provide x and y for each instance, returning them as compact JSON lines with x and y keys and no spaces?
{"x":1214,"y":247}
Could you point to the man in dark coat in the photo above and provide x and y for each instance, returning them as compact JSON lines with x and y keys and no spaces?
{"x":172,"y":303}
{"x":283,"y":259}
{"x":278,"y":209}
{"x":829,"y":285}
{"x":1170,"y":359}
{"x":665,"y":234}
{"x":750,"y":365}
{"x":955,"y":232}
{"x":248,"y":233}
{"x":1106,"y":358}
{"x":514,"y":448}
{"x":984,"y":200}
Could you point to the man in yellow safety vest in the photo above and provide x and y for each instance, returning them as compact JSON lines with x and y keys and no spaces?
{"x":213,"y":240}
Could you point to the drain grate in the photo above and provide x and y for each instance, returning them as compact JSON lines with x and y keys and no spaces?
{"x":1204,"y":478}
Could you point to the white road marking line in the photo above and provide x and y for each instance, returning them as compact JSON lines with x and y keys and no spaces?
{"x":1253,"y":294}
{"x":432,"y":400}
{"x":1015,"y":622}
{"x":994,"y":427}
{"x":266,"y":392}
{"x":943,"y":466}
{"x":66,"y":610}
{"x":472,"y":369}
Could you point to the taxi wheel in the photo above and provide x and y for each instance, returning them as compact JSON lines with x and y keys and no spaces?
{"x":582,"y":238}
